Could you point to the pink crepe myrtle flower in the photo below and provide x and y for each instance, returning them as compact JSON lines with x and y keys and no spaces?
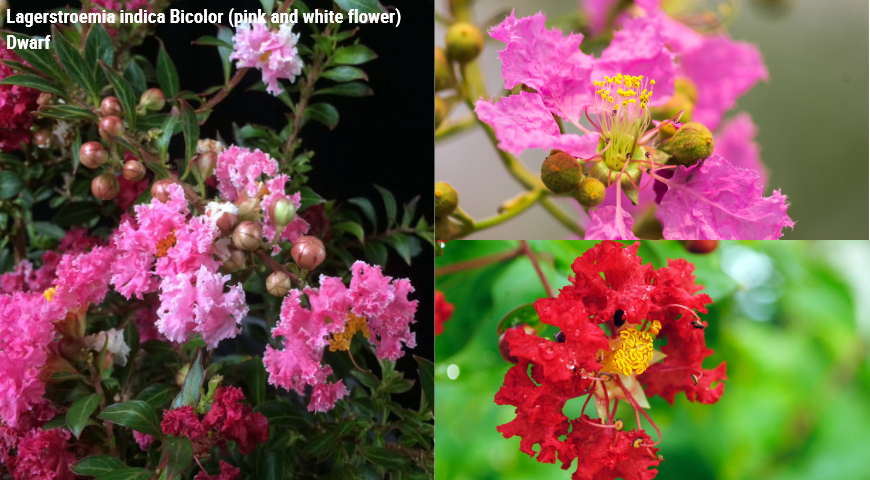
{"x":384,"y":302}
{"x":297,"y":227}
{"x":83,"y":279}
{"x":195,"y":302}
{"x":273,"y":52}
{"x":44,"y":455}
{"x":605,"y":225}
{"x":238,"y":170}
{"x":736,"y":142}
{"x":143,"y":440}
{"x":16,"y":103}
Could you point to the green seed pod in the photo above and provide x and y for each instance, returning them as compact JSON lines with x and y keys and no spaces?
{"x":632,"y":173}
{"x":446,"y":199}
{"x":590,"y":192}
{"x":283,"y":212}
{"x":560,"y":172}
{"x":464,"y":42}
{"x":440,"y":110}
{"x":443,"y":70}
{"x":692,"y":142}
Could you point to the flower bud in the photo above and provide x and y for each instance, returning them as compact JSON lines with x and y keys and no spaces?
{"x":181,"y":374}
{"x":692,"y":142}
{"x":561,"y":172}
{"x":443,"y":70}
{"x":278,"y":284}
{"x":446,"y":199}
{"x":684,"y":98}
{"x":110,"y":106}
{"x":152,"y":99}
{"x":92,"y":154}
{"x":44,"y":99}
{"x":464,"y":42}
{"x":248,"y":236}
{"x":440,"y":110}
{"x":160,"y":189}
{"x":227,"y":222}
{"x":111,"y":125}
{"x":590,"y":192}
{"x":701,"y":246}
{"x":206,"y":163}
{"x":283,"y":212}
{"x":133,"y":170}
{"x":308,"y":252}
{"x":105,"y":186}
{"x":42,"y":138}
{"x":503,"y":346}
{"x":236,"y":261}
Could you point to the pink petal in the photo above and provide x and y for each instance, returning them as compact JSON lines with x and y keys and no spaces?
{"x":606,"y":225}
{"x":736,"y":142}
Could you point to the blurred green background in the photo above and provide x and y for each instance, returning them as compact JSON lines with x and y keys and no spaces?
{"x":811,"y":116}
{"x":792,"y":319}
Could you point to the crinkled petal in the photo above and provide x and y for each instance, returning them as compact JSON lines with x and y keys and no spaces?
{"x":605,"y":224}
{"x":736,"y":142}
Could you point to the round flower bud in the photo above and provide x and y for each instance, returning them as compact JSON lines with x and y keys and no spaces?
{"x":111,"y":125}
{"x":160,"y":189}
{"x":446,"y":199}
{"x":105,"y":186}
{"x":561,"y":172}
{"x":236,"y":261}
{"x":248,"y":236}
{"x":440,"y":110}
{"x":227,"y":222}
{"x":701,"y":246}
{"x":464,"y":42}
{"x":111,"y":106}
{"x":278,"y":284}
{"x":308,"y":252}
{"x":44,"y":99}
{"x":590,"y":192}
{"x":152,"y":99}
{"x":283,"y":212}
{"x":503,"y":347}
{"x":133,"y":170}
{"x":206,"y":163}
{"x":181,"y":374}
{"x":92,"y":154}
{"x":692,"y":142}
{"x":42,"y":138}
{"x":443,"y":70}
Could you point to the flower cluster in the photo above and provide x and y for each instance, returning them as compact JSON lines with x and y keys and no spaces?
{"x":696,"y":78}
{"x":443,"y":312}
{"x":16,"y":103}
{"x":372,"y":303}
{"x":609,"y":317}
{"x":273,"y":52}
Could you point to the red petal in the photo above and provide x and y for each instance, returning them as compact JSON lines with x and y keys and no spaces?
{"x":605,"y":454}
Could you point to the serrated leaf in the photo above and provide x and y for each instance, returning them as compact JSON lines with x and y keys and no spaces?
{"x":134,"y":414}
{"x":49,"y":229}
{"x":97,"y":465}
{"x":389,"y":205}
{"x":353,"y":228}
{"x":353,"y":55}
{"x":426,"y":370}
{"x":191,"y":389}
{"x":179,"y":454}
{"x":350,"y":89}
{"x":190,"y":128}
{"x":80,"y":411}
{"x":323,"y":113}
{"x":367,"y":208}
{"x":364,"y":6}
{"x":33,"y":81}
{"x":72,"y":61}
{"x":76,"y":213}
{"x":125,"y":94}
{"x":167,"y":75}
{"x":10,"y":184}
{"x":344,"y":74}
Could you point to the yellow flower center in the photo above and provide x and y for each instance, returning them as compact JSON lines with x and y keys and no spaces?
{"x":621,"y":104}
{"x":49,"y":294}
{"x":341,"y":340}
{"x":165,"y":244}
{"x":635,"y":350}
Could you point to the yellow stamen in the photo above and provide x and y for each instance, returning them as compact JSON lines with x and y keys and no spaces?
{"x":165,"y":244}
{"x":635,"y":350}
{"x":341,"y":340}
{"x":48,"y":294}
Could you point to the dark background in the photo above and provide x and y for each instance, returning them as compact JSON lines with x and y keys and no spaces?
{"x":383,"y":139}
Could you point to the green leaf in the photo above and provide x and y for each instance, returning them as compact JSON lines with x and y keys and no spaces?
{"x":33,"y":81}
{"x":383,"y":457}
{"x":364,"y":6}
{"x":157,"y":395}
{"x":226,"y":35}
{"x":256,"y":381}
{"x":368,"y":379}
{"x":136,"y":77}
{"x":409,"y":210}
{"x":309,"y":198}
{"x":41,"y":58}
{"x":97,"y":465}
{"x":167,"y":75}
{"x":125,"y":93}
{"x":76,"y":213}
{"x":268,"y":6}
{"x":367,"y":208}
{"x":344,"y":74}
{"x":80,"y":411}
{"x":376,"y":252}
{"x":273,"y":466}
{"x":353,"y":55}
{"x":134,"y":414}
{"x":323,"y":113}
{"x":166,"y":137}
{"x":98,"y":48}
{"x":128,"y":473}
{"x":353,"y":228}
{"x":67,"y":112}
{"x":282,"y":414}
{"x":49,"y":229}
{"x":427,"y":378}
{"x":72,"y":61}
{"x":10,"y":184}
{"x":351,"y":89}
{"x":190,"y":128}
{"x":389,"y":204}
{"x":402,"y":244}
{"x":179,"y":453}
{"x":191,"y":390}
{"x":209,"y":40}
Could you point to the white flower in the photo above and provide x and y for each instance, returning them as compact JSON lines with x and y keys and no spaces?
{"x":115,"y":337}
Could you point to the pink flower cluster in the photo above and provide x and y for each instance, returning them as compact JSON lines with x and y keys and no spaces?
{"x":16,"y":103}
{"x":273,"y":52}
{"x":383,"y":302}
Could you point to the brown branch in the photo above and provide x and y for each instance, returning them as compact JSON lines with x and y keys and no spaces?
{"x":19,"y":241}
{"x":525,"y":246}
{"x":478,"y":262}
{"x":304,"y":95}
{"x":275,"y":266}
{"x":222,"y":93}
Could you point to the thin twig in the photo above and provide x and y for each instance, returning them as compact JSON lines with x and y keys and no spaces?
{"x":525,"y":246}
{"x":478,"y":262}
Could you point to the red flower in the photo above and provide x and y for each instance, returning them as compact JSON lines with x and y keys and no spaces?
{"x":182,"y":422}
{"x":43,"y":455}
{"x":604,"y":454}
{"x":234,"y":420}
{"x":228,"y":472}
{"x":16,"y":103}
{"x":443,"y":312}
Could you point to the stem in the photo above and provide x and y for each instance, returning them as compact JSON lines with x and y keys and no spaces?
{"x":478,"y":262}
{"x":563,"y":218}
{"x":525,"y":246}
{"x":222,"y":93}
{"x":275,"y":266}
{"x":305,"y":92}
{"x":449,"y":129}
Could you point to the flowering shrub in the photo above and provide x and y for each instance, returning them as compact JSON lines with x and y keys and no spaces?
{"x":645,"y":109}
{"x":200,"y":312}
